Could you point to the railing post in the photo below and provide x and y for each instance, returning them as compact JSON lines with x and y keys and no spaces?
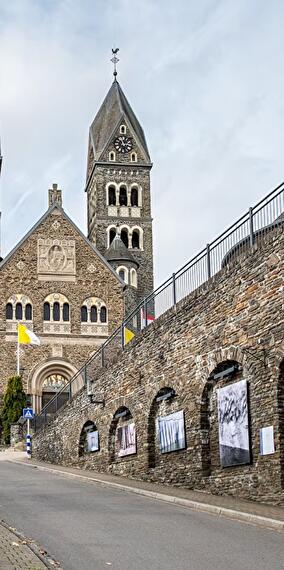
{"x":251,"y":236}
{"x":56,"y":403}
{"x":85,"y":375}
{"x":122,"y":335}
{"x":174,"y":290}
{"x":70,"y":391}
{"x":103,"y":357}
{"x":44,"y":416}
{"x":208,"y":261}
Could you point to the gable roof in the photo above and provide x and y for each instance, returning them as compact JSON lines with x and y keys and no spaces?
{"x":39,"y":222}
{"x":114,"y":107}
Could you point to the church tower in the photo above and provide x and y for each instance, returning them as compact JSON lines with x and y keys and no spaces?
{"x":118,"y":192}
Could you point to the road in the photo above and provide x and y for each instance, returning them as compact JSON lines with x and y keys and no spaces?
{"x":90,"y":527}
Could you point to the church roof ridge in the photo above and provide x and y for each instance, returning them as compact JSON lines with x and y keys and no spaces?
{"x":114,"y":106}
{"x":37,"y":224}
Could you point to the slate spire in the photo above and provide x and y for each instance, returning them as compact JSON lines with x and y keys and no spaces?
{"x":114,"y":108}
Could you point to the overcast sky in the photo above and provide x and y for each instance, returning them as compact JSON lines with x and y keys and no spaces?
{"x":205,"y":79}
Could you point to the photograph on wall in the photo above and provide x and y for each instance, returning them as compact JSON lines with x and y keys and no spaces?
{"x":171,"y":432}
{"x":126,"y":440}
{"x":233,"y":424}
{"x":93,"y":441}
{"x":267,"y":446}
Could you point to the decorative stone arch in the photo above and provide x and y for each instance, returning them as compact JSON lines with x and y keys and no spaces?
{"x":133,"y":278}
{"x":127,"y":229}
{"x":87,"y":427}
{"x":137,"y":187}
{"x":208,"y":413}
{"x":44,"y":370}
{"x":19,"y":300}
{"x":109,"y":228}
{"x":115,"y":186}
{"x":140,"y":232}
{"x":95,"y":302}
{"x":154,"y":408}
{"x":126,"y":273}
{"x":114,"y":424}
{"x":123,"y":196}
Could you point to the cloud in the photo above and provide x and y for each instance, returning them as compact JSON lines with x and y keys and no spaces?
{"x":205,"y":80}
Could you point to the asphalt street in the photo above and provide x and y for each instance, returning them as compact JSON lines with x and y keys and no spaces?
{"x":90,"y":527}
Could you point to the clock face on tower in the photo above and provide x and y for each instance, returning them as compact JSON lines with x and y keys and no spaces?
{"x":123,"y":144}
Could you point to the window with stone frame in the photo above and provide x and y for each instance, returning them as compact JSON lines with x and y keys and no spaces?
{"x":94,"y":317}
{"x":18,"y":308}
{"x":56,"y":314}
{"x":89,"y":439}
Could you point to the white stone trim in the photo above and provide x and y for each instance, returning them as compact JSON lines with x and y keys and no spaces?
{"x":133,"y":278}
{"x":123,"y":268}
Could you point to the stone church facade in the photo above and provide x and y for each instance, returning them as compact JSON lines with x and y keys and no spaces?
{"x":73,"y":291}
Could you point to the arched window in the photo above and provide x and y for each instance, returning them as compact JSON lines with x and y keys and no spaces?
{"x":56,"y":311}
{"x":89,"y":439}
{"x":121,"y":274}
{"x":135,"y":239}
{"x":112,"y":156}
{"x":66,"y":311}
{"x":123,"y":196}
{"x":111,"y":196}
{"x":134,"y":196}
{"x":84,"y":314}
{"x":46,"y":312}
{"x":9,"y":311}
{"x":112,"y":234}
{"x":124,"y":237}
{"x":28,"y":312}
{"x":122,"y":129}
{"x":94,"y":314}
{"x":103,"y":315}
{"x":133,"y":277}
{"x":133,"y":157}
{"x":19,"y":311}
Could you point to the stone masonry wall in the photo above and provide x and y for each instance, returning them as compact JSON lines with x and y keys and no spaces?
{"x":236,"y":317}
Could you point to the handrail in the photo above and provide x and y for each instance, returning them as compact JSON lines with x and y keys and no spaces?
{"x":202,"y":273}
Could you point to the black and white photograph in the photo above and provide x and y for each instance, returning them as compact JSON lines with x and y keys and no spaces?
{"x":126,"y":440}
{"x":171,"y":432}
{"x":233,"y":424}
{"x":93,"y":441}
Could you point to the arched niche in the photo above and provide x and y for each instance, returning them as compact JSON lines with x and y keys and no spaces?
{"x":122,"y":435}
{"x":89,"y":439}
{"x":164,"y":404}
{"x":224,"y":419}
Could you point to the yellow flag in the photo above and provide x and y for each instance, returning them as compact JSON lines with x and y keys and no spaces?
{"x":27,"y":337}
{"x":128,"y":335}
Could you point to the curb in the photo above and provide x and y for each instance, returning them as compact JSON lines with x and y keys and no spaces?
{"x":241,"y":516}
{"x":34,"y":547}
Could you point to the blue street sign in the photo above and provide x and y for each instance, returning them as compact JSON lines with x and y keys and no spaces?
{"x":28,"y":413}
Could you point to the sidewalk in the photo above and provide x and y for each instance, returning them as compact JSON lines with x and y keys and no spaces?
{"x":15,"y":553}
{"x":247,"y":511}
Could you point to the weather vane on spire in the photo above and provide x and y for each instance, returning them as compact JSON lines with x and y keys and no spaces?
{"x":114,"y":60}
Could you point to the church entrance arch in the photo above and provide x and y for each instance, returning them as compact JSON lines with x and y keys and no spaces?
{"x":48,"y":379}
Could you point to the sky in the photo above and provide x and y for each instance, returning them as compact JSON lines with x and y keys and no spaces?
{"x":204,"y":78}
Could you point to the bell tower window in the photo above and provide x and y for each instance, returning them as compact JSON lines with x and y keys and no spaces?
{"x":134,"y":196}
{"x":122,"y":129}
{"x":135,"y":239}
{"x":112,"y":234}
{"x":111,"y":196}
{"x":124,"y":237}
{"x":111,"y":156}
{"x":133,"y":157}
{"x":123,"y":196}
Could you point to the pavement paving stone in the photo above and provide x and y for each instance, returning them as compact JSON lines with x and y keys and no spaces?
{"x":15,"y":554}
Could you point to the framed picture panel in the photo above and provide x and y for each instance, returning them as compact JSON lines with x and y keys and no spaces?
{"x":93,"y":441}
{"x":126,"y":440}
{"x":171,"y":432}
{"x":234,"y":444}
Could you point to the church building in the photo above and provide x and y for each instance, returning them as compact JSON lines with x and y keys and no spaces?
{"x":74,"y":290}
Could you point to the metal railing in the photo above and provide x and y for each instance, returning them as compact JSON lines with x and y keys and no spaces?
{"x":238,"y":238}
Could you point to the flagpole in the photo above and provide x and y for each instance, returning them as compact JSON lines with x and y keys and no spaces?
{"x":18,"y":354}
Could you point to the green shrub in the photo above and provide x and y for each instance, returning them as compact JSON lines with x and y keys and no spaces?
{"x":13,"y":403}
